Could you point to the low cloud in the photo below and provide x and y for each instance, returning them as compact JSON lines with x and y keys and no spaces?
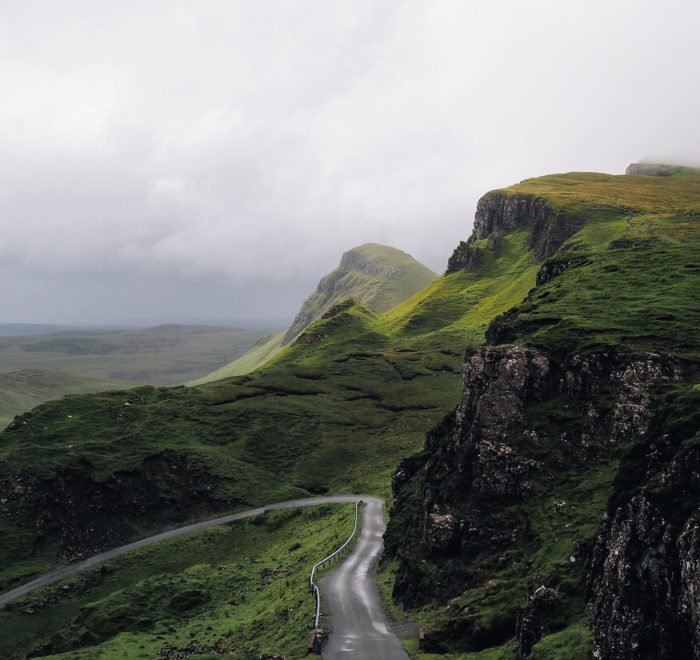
{"x":242,"y":147}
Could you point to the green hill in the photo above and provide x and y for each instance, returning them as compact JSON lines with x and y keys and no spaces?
{"x":261,"y":352}
{"x":576,"y":422}
{"x":40,"y":363}
{"x":533,"y":511}
{"x":378,"y":276}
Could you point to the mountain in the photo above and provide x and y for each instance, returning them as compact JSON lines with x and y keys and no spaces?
{"x":556,"y":509}
{"x":378,"y":276}
{"x":540,"y":400}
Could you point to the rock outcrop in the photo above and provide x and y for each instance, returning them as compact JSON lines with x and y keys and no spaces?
{"x":643,"y":584}
{"x":502,"y":213}
{"x":86,"y":515}
{"x":526,"y":426}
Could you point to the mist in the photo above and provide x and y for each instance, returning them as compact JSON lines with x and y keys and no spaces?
{"x":177,"y":161}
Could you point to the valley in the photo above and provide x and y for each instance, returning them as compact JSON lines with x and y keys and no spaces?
{"x":532,"y":415}
{"x":39,"y":363}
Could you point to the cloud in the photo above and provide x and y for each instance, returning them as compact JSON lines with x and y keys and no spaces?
{"x":250,"y":144}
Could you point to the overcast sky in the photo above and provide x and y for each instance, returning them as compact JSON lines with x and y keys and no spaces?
{"x":198,"y":160}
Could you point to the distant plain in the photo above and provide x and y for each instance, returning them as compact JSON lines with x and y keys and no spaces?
{"x":38,"y":363}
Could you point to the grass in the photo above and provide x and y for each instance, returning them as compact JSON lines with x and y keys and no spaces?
{"x":240,"y":588}
{"x":377,"y":276}
{"x":642,"y":298}
{"x":336,"y":410}
{"x":38,"y":367}
{"x":263,"y":351}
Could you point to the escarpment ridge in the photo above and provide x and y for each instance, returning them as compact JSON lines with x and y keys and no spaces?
{"x":557,"y":506}
{"x":540,"y":401}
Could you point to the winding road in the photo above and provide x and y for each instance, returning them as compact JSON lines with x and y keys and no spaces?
{"x":349,"y":596}
{"x":76,"y":567}
{"x":358,"y":625}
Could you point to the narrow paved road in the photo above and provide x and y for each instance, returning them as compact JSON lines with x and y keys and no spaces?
{"x":358,"y":625}
{"x":72,"y":569}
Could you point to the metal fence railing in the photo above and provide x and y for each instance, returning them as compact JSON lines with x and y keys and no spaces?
{"x":313,"y":587}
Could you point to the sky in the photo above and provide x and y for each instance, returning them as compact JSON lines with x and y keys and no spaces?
{"x":189,"y":161}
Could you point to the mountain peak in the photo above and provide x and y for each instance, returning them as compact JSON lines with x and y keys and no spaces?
{"x":378,"y":276}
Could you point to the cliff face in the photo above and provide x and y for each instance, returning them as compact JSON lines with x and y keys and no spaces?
{"x":500,"y":213}
{"x":527,"y":429}
{"x":643,"y":583}
{"x":561,"y":499}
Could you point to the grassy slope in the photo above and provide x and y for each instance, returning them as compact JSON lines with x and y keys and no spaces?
{"x":358,"y":390}
{"x":38,"y":367}
{"x":262,"y":352}
{"x":376,"y":291}
{"x":219,"y":589}
{"x":642,"y":294}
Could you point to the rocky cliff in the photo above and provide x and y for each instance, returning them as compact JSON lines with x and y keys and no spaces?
{"x":500,"y":213}
{"x":499,"y":484}
{"x":561,"y":500}
{"x":643,"y":582}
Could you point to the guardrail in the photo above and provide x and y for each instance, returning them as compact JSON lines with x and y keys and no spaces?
{"x":313,"y":587}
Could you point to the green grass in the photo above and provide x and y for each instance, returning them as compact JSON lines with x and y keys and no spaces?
{"x":467,"y":301}
{"x":378,"y":276}
{"x":262,"y":352}
{"x":573,"y":643}
{"x":389,"y":277}
{"x":40,"y":367}
{"x":357,"y":390}
{"x":641,"y":297}
{"x":240,"y":588}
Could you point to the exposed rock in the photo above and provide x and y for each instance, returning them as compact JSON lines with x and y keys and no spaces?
{"x":529,"y":627}
{"x":353,"y":260}
{"x":465,"y":256}
{"x":643,"y":585}
{"x":554,"y":268}
{"x":627,"y":243}
{"x":311,"y":337}
{"x":453,"y":516}
{"x":87,"y":515}
{"x":502,"y":213}
{"x":496,"y":383}
{"x":471,"y":465}
{"x":441,"y":531}
{"x":631,"y":413}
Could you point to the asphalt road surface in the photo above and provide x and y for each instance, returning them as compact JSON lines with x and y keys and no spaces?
{"x":72,"y":569}
{"x":350,"y":602}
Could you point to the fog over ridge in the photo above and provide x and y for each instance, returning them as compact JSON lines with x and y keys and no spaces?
{"x":180,"y":160}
